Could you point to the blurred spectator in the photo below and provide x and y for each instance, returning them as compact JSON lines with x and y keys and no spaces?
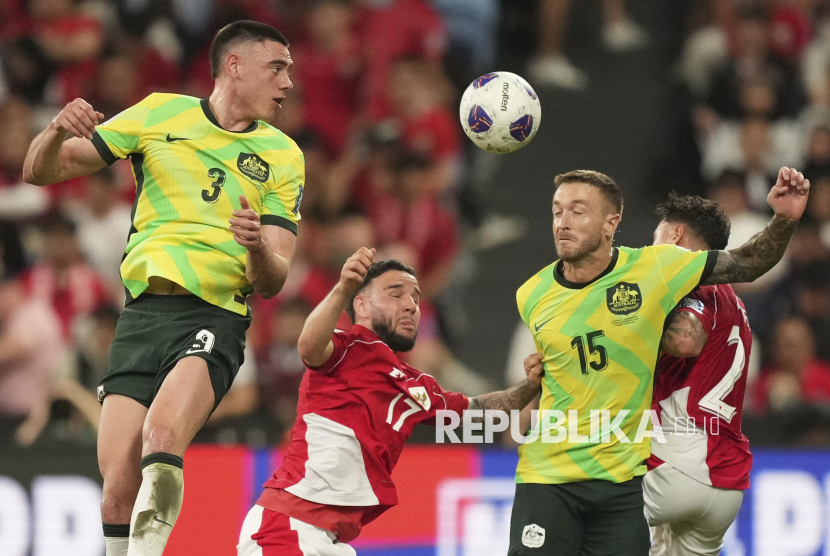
{"x":551,"y":67}
{"x":280,"y":366}
{"x":706,"y":48}
{"x":31,"y":348}
{"x":18,"y":200}
{"x":816,"y":60}
{"x":473,"y":35}
{"x":409,"y":214}
{"x":71,"y":40}
{"x":812,"y":302}
{"x":241,"y":399}
{"x":818,"y":154}
{"x":103,"y":222}
{"x":419,"y":96}
{"x":62,"y":278}
{"x":752,"y":61}
{"x":756,"y":148}
{"x":92,"y":346}
{"x":394,"y":29}
{"x":819,"y":205}
{"x":797,"y":376}
{"x":26,"y":69}
{"x":328,"y":71}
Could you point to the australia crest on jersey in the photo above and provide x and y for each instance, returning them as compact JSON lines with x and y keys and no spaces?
{"x":253,"y":166}
{"x":624,"y":298}
{"x":533,"y":536}
{"x":419,"y":394}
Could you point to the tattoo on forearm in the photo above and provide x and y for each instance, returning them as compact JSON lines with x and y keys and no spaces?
{"x":684,"y":336}
{"x":513,"y":398}
{"x":756,"y":256}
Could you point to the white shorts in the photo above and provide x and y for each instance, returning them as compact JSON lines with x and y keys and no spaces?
{"x":687,"y":518}
{"x":268,"y":533}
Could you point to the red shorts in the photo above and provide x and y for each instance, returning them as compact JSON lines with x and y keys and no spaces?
{"x":269,"y":533}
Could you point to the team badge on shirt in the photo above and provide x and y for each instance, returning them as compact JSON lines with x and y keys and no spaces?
{"x":419,"y":394}
{"x":253,"y":166}
{"x":624,"y":298}
{"x":533,"y":536}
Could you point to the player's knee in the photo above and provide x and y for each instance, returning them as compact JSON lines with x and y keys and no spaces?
{"x":160,"y":437}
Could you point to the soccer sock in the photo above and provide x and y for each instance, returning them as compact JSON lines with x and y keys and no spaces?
{"x":117,"y":538}
{"x":157,"y":505}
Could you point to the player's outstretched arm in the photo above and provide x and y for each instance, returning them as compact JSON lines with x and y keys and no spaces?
{"x":751,"y":260}
{"x":685,"y":336}
{"x":518,"y":396}
{"x":52,"y":159}
{"x":315,"y":343}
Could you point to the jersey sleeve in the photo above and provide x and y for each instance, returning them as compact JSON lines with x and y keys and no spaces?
{"x":119,"y":137}
{"x":341,"y":345}
{"x":703,"y":305}
{"x":282,"y":203}
{"x":442,"y":400}
{"x":682,"y":270}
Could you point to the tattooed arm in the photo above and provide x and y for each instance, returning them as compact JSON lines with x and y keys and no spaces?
{"x":518,"y":396}
{"x":755,"y":257}
{"x":685,"y":336}
{"x":788,"y":199}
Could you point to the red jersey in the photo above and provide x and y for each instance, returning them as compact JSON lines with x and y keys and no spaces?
{"x":699,"y":401}
{"x":353,"y":417}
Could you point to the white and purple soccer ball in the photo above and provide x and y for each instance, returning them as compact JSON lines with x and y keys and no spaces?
{"x":500,"y":112}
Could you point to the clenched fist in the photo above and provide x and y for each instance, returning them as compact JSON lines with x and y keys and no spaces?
{"x":78,"y":118}
{"x":355,"y":269}
{"x":534,"y":369}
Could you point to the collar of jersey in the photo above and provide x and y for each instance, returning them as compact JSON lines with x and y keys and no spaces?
{"x":559,"y":276}
{"x":209,"y":114}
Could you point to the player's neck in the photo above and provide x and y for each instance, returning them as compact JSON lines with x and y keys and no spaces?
{"x":227,"y":111}
{"x":588,"y":267}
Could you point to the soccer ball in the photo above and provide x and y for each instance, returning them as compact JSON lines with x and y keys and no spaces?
{"x":500,"y":112}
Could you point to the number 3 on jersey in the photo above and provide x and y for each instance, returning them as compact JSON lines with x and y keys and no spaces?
{"x":218,"y":181}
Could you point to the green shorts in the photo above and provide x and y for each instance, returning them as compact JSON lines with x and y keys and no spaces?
{"x":155,"y":331}
{"x":587,"y":518}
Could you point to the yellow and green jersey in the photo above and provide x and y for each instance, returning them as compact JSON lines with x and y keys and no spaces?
{"x":600,"y":341}
{"x":189,"y":174}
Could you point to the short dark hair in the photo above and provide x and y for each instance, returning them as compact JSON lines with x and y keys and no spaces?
{"x":235,"y":33}
{"x":378,"y":268}
{"x":605,"y":184}
{"x":706,"y":219}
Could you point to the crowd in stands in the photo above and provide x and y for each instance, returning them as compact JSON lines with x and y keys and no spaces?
{"x":757,"y":76}
{"x":374,"y":111}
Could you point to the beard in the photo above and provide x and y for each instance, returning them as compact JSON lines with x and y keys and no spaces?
{"x":586,"y":247}
{"x":388,"y":336}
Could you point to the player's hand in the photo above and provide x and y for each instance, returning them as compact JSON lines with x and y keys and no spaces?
{"x":78,"y":118}
{"x":355,"y":269}
{"x":246,"y":227}
{"x":534,"y":369}
{"x":788,"y":197}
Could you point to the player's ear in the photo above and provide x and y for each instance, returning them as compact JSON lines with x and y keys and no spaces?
{"x":677,"y":233}
{"x":232,"y":65}
{"x":361,"y":306}
{"x":611,"y":223}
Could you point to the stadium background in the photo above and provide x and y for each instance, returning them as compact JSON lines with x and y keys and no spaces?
{"x":706,"y":97}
